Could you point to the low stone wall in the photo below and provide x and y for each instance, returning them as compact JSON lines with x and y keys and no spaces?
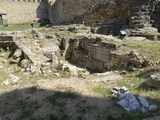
{"x":100,"y":55}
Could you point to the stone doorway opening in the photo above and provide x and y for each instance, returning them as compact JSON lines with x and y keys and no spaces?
{"x":3,"y":19}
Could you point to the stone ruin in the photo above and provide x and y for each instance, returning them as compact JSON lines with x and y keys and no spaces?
{"x":139,"y":18}
{"x":94,"y":52}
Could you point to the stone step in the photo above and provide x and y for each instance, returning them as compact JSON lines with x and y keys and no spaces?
{"x":7,"y":38}
{"x":6,"y":44}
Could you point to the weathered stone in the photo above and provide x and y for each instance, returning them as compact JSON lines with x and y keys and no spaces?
{"x":31,"y":50}
{"x":50,"y":47}
{"x":24,"y":63}
{"x":17,"y":54}
{"x":12,"y":79}
{"x":108,"y":78}
{"x":153,"y":81}
{"x":37,"y":33}
{"x":101,"y":55}
{"x":14,"y":61}
{"x":54,"y":60}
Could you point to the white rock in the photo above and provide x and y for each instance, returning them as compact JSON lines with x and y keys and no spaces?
{"x":49,"y":71}
{"x":43,"y":64}
{"x":17,"y":54}
{"x":57,"y":74}
{"x":6,"y":82}
{"x":47,"y":64}
{"x":28,"y":69}
{"x":123,"y":90}
{"x":22,"y":70}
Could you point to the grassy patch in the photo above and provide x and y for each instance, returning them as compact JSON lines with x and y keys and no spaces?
{"x":145,"y":48}
{"x":64,"y":95}
{"x":102,"y":90}
{"x":27,"y":107}
{"x":18,"y":27}
{"x":129,"y":116}
{"x":3,"y":76}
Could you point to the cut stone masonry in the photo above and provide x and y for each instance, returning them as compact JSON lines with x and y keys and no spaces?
{"x":100,"y":55}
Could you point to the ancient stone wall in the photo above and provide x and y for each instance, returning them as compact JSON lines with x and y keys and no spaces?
{"x":22,"y":11}
{"x":99,"y":55}
{"x":133,"y":13}
{"x":89,"y":11}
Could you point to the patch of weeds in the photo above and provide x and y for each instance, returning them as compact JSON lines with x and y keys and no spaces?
{"x":1,"y":109}
{"x":109,"y":117}
{"x":27,"y":108}
{"x":34,"y":78}
{"x":69,"y":94}
{"x":82,"y":110}
{"x":17,"y":71}
{"x":25,"y":114}
{"x":33,"y":118}
{"x":53,"y":117}
{"x":61,"y":104}
{"x":32,"y":89}
{"x":102,"y":90}
{"x":34,"y":104}
{"x":64,"y":117}
{"x":27,"y":104}
{"x":49,"y":76}
{"x":53,"y":99}
{"x":65,"y":76}
{"x":19,"y":27}
{"x":130,"y":116}
{"x":78,"y":105}
{"x":3,"y":76}
{"x":83,"y":101}
{"x":21,"y":104}
{"x":79,"y":118}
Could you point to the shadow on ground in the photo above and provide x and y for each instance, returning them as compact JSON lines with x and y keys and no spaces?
{"x":34,"y":103}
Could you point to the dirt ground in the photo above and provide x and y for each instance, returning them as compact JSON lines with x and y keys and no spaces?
{"x":54,"y":99}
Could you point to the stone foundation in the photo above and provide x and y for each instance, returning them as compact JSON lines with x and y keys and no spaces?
{"x":100,"y":55}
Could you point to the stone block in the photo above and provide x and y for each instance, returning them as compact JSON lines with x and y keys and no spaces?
{"x":7,"y":38}
{"x":108,"y":45}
